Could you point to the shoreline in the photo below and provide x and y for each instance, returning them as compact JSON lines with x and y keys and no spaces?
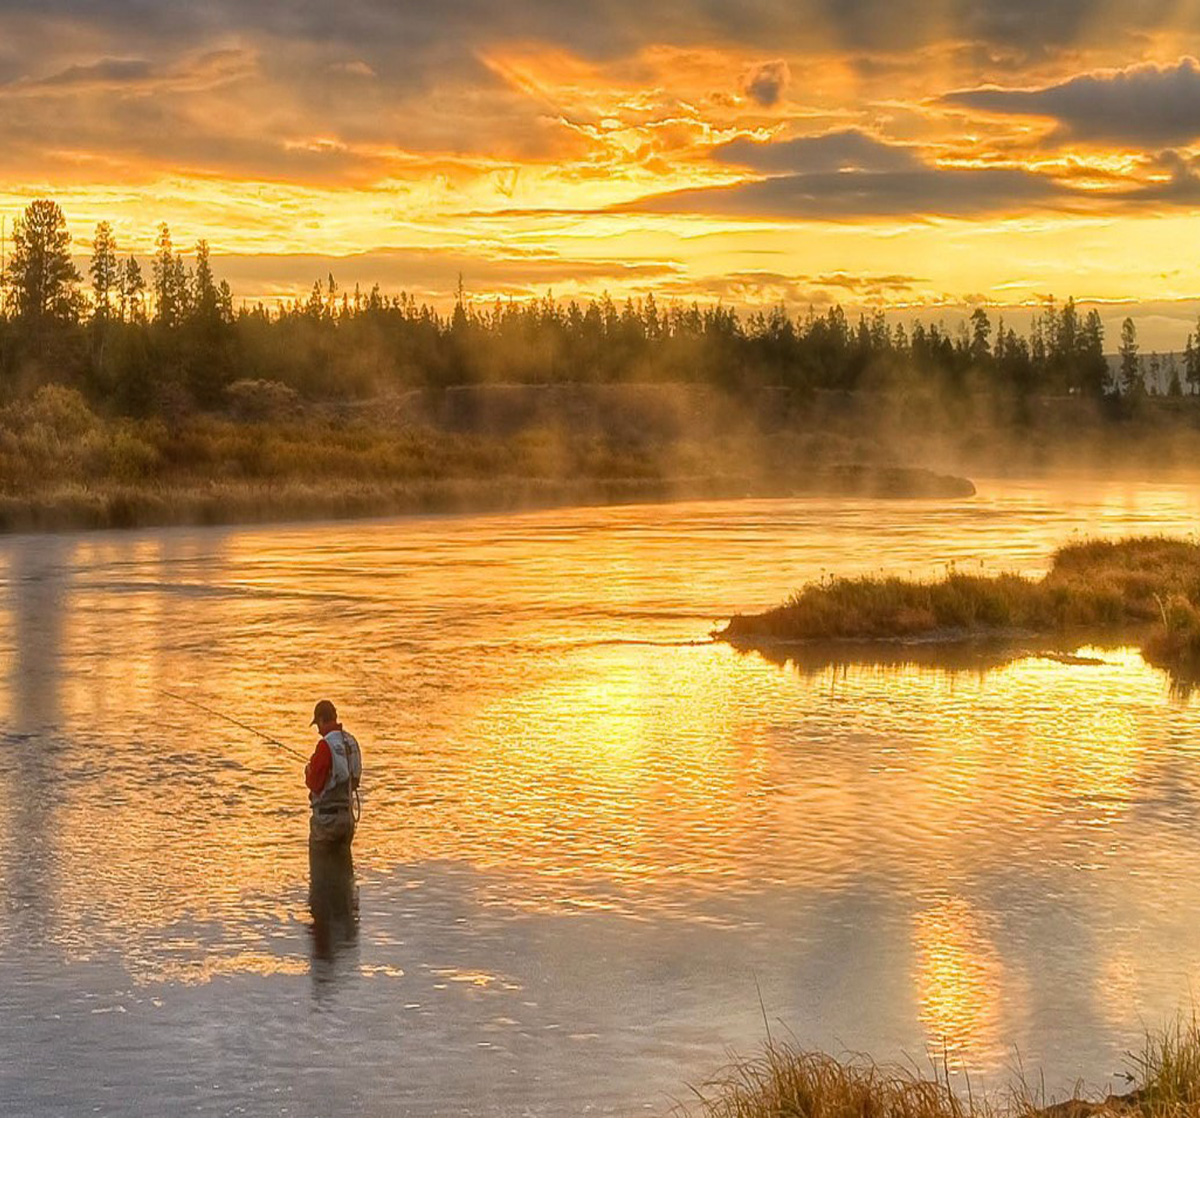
{"x":78,"y":509}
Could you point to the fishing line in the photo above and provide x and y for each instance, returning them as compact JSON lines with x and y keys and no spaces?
{"x":355,"y":798}
{"x":212,"y":712}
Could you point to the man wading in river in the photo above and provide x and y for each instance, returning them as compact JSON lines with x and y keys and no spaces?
{"x":333,"y":774}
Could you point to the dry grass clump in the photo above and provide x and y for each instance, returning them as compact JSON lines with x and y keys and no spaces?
{"x":869,"y":606}
{"x":1175,"y":642}
{"x":1167,"y":1072}
{"x":1097,"y":584}
{"x":786,"y":1081}
{"x":1135,"y":572}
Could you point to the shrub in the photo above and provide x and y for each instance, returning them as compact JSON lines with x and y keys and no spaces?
{"x":56,"y":412}
{"x":261,"y":400}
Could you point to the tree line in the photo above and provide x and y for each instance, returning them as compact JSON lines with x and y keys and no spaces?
{"x":139,"y":344}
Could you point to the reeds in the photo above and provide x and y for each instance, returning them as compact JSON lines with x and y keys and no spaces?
{"x":783,"y":1080}
{"x":1175,"y":642}
{"x":1166,"y":1074}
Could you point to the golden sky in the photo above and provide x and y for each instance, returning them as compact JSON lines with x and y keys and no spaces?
{"x":916,"y":153}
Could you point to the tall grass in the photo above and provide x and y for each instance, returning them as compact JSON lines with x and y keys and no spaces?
{"x":1175,"y":642}
{"x":1166,"y":1073}
{"x":783,"y":1080}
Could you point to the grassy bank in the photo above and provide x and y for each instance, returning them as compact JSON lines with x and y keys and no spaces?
{"x":266,"y":457}
{"x":126,"y":505}
{"x":786,"y":1081}
{"x":1147,"y":582}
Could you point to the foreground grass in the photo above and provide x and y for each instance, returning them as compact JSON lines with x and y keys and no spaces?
{"x":786,"y":1081}
{"x":1093,"y":585}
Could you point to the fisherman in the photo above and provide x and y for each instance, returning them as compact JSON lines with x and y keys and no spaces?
{"x":332,"y":775}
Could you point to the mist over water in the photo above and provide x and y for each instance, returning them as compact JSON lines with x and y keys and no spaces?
{"x":591,"y":837}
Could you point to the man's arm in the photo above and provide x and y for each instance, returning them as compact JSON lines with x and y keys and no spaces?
{"x":317,"y":772}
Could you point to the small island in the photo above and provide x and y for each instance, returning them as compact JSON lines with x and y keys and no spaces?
{"x":1150,"y":585}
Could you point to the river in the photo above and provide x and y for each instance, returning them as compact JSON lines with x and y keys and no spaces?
{"x":596,"y":846}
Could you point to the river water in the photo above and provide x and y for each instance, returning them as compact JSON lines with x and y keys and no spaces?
{"x":596,"y":847}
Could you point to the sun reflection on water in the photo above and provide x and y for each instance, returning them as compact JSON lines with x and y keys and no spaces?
{"x":961,"y":989}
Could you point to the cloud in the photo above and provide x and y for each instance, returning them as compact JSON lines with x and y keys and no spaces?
{"x":136,"y":76}
{"x":1181,"y":187}
{"x":388,"y":77}
{"x":377,"y":94}
{"x":416,"y":41}
{"x":759,"y":287}
{"x":1147,"y":105}
{"x":756,"y":288}
{"x":868,"y":283}
{"x":844,"y":195}
{"x":849,"y":174}
{"x":841,"y":150}
{"x":602,"y":29}
{"x":239,"y":112}
{"x":104,"y":71}
{"x":766,"y":83}
{"x":434,"y":273}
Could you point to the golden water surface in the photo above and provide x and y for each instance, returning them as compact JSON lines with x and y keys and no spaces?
{"x":591,"y":837}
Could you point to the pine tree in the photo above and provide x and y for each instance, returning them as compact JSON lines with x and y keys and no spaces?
{"x":1174,"y":387}
{"x":204,"y":288}
{"x":181,"y":286}
{"x":167,"y":301}
{"x":1131,"y":363}
{"x":104,"y":270}
{"x":1068,"y":344}
{"x":650,"y":318}
{"x":1093,"y":367}
{"x":133,"y":290}
{"x":981,"y":334}
{"x":40,"y":275}
{"x":458,"y":320}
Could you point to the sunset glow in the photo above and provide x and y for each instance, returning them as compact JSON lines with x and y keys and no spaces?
{"x":801,"y":153}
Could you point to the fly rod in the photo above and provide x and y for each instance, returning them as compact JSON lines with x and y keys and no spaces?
{"x":355,"y":803}
{"x":212,"y":712}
